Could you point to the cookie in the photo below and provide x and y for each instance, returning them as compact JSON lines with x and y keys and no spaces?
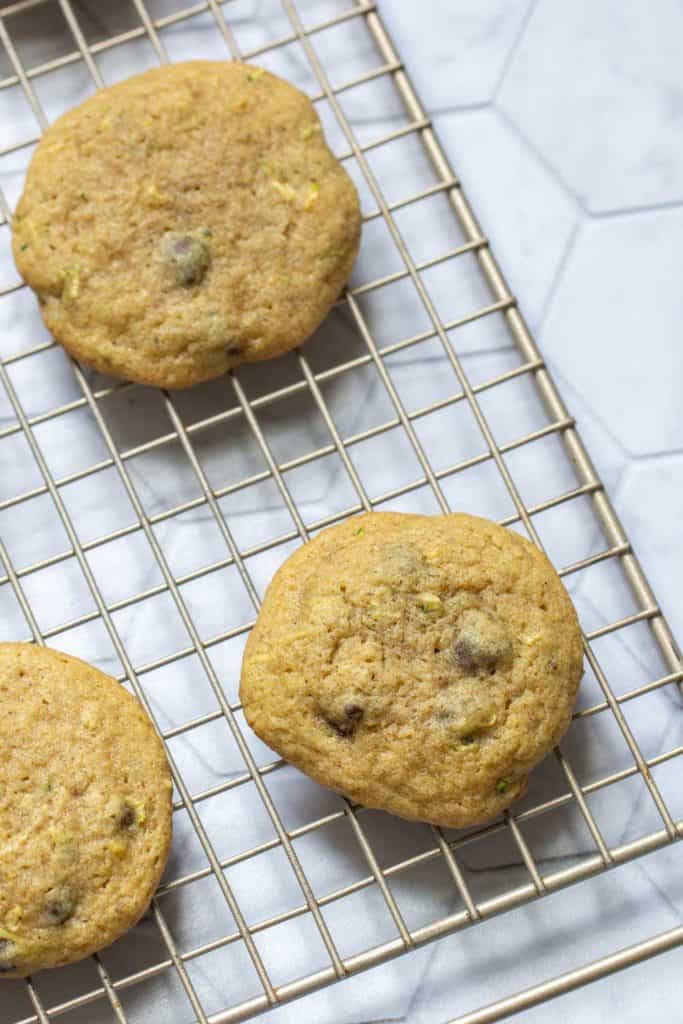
{"x":185,"y":221}
{"x":419,"y":664}
{"x":85,"y":809}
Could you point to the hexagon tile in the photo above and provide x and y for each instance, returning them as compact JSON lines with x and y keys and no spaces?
{"x":612,"y":71}
{"x":614,"y":323}
{"x":529,"y":216}
{"x":458,"y":52}
{"x":650,"y":504}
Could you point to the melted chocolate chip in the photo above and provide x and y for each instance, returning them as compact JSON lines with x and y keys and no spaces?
{"x":59,"y":906}
{"x":471,"y":656}
{"x":481,"y":643}
{"x":185,"y":256}
{"x":127,"y":817}
{"x":353,"y":712}
{"x":345,"y":719}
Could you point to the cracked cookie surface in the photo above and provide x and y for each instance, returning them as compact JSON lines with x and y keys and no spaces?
{"x":85,"y":809}
{"x":185,"y":221}
{"x":420,"y":664}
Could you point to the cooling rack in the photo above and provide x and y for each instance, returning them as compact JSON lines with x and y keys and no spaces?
{"x":139,"y":531}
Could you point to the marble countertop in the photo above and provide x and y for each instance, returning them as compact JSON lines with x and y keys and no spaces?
{"x":563,"y":123}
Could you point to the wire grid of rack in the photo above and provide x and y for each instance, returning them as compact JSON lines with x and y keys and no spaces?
{"x":243,"y":401}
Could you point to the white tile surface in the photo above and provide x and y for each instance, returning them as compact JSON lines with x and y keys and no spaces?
{"x":516,"y":197}
{"x":458,"y":52}
{"x":656,"y":486}
{"x":597,"y":89}
{"x":552,"y":115}
{"x":620,"y":354}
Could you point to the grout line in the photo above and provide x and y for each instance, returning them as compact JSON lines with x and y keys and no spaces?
{"x":512,"y":52}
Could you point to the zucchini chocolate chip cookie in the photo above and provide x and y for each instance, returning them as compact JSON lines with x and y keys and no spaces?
{"x":420,"y":664}
{"x":85,"y":809}
{"x":185,"y":221}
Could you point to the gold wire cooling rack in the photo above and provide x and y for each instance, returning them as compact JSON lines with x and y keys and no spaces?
{"x":158,"y":521}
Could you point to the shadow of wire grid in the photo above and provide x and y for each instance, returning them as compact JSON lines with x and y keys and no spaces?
{"x":159,"y":522}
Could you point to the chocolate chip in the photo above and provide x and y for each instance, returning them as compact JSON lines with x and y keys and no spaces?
{"x":7,"y":953}
{"x":59,"y":906}
{"x":344,"y":718}
{"x":481,"y":643}
{"x":353,"y":711}
{"x":185,"y":256}
{"x":127,"y":817}
{"x":233,"y":350}
{"x":473,"y":655}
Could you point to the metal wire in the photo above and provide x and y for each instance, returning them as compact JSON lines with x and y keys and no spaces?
{"x":239,"y":407}
{"x":574,"y":979}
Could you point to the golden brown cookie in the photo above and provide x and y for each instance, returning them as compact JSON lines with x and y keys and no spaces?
{"x":85,"y":809}
{"x":185,"y":221}
{"x":420,"y":664}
